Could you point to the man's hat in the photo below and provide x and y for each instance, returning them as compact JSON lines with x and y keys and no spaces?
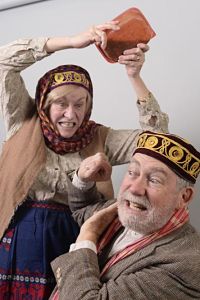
{"x":177,"y":153}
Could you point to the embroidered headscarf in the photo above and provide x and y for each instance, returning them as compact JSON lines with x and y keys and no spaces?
{"x":62,"y":75}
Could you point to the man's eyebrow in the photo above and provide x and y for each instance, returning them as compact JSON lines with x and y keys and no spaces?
{"x":152,"y":170}
{"x":158,"y":170}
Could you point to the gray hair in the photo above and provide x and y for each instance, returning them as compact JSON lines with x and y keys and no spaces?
{"x":182,"y":183}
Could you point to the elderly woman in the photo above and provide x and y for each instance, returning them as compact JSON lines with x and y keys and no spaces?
{"x":46,"y":140}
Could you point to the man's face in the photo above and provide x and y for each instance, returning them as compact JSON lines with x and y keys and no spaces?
{"x":148,"y":195}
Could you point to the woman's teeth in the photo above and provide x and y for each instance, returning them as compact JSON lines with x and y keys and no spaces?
{"x":67,"y":125}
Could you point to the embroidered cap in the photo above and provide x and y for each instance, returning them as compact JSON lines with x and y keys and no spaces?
{"x":177,"y":153}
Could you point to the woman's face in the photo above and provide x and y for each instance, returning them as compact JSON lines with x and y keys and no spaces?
{"x":68,"y":109}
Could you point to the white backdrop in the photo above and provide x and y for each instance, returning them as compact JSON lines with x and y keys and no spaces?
{"x":171,"y":70}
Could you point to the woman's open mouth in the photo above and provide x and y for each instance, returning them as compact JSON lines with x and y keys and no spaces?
{"x":67,"y":124}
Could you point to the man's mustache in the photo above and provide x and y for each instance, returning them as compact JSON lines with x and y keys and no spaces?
{"x":139,"y":200}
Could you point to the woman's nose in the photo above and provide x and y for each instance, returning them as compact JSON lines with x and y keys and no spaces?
{"x":69,"y":112}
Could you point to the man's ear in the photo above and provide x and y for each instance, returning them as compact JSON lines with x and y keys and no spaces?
{"x":187,"y":195}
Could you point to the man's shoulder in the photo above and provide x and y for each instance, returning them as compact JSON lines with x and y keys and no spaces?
{"x":179,"y":247}
{"x":184,"y":238}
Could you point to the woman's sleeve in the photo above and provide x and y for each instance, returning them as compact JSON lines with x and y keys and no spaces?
{"x":120,"y":144}
{"x":150,"y":115}
{"x":15,"y":101}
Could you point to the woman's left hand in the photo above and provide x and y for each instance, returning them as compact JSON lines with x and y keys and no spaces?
{"x":133,"y":59}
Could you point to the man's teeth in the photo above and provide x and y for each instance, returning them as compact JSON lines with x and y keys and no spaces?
{"x":136,"y":205}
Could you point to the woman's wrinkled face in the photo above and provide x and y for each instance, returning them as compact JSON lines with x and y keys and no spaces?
{"x":68,"y":109}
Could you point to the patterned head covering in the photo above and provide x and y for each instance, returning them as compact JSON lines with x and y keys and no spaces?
{"x":63,"y":75}
{"x":177,"y":153}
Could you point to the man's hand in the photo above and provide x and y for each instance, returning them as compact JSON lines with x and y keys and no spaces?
{"x":95,"y":168}
{"x":93,"y":228}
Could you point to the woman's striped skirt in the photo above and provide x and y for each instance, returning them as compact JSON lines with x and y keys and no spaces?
{"x":39,"y":232}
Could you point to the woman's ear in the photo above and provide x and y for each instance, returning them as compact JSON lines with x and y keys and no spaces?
{"x":88,"y":104}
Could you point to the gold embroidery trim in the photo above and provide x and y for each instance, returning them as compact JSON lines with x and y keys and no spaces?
{"x":172,"y":150}
{"x":70,"y":77}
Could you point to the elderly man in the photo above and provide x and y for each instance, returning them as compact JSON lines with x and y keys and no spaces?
{"x":149,"y":251}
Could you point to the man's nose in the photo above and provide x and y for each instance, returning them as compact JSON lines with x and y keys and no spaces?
{"x":138,"y":186}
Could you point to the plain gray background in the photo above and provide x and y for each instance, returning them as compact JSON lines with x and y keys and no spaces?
{"x":171,"y":70}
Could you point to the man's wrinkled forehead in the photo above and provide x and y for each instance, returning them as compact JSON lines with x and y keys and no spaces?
{"x":149,"y":163}
{"x":140,"y":158}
